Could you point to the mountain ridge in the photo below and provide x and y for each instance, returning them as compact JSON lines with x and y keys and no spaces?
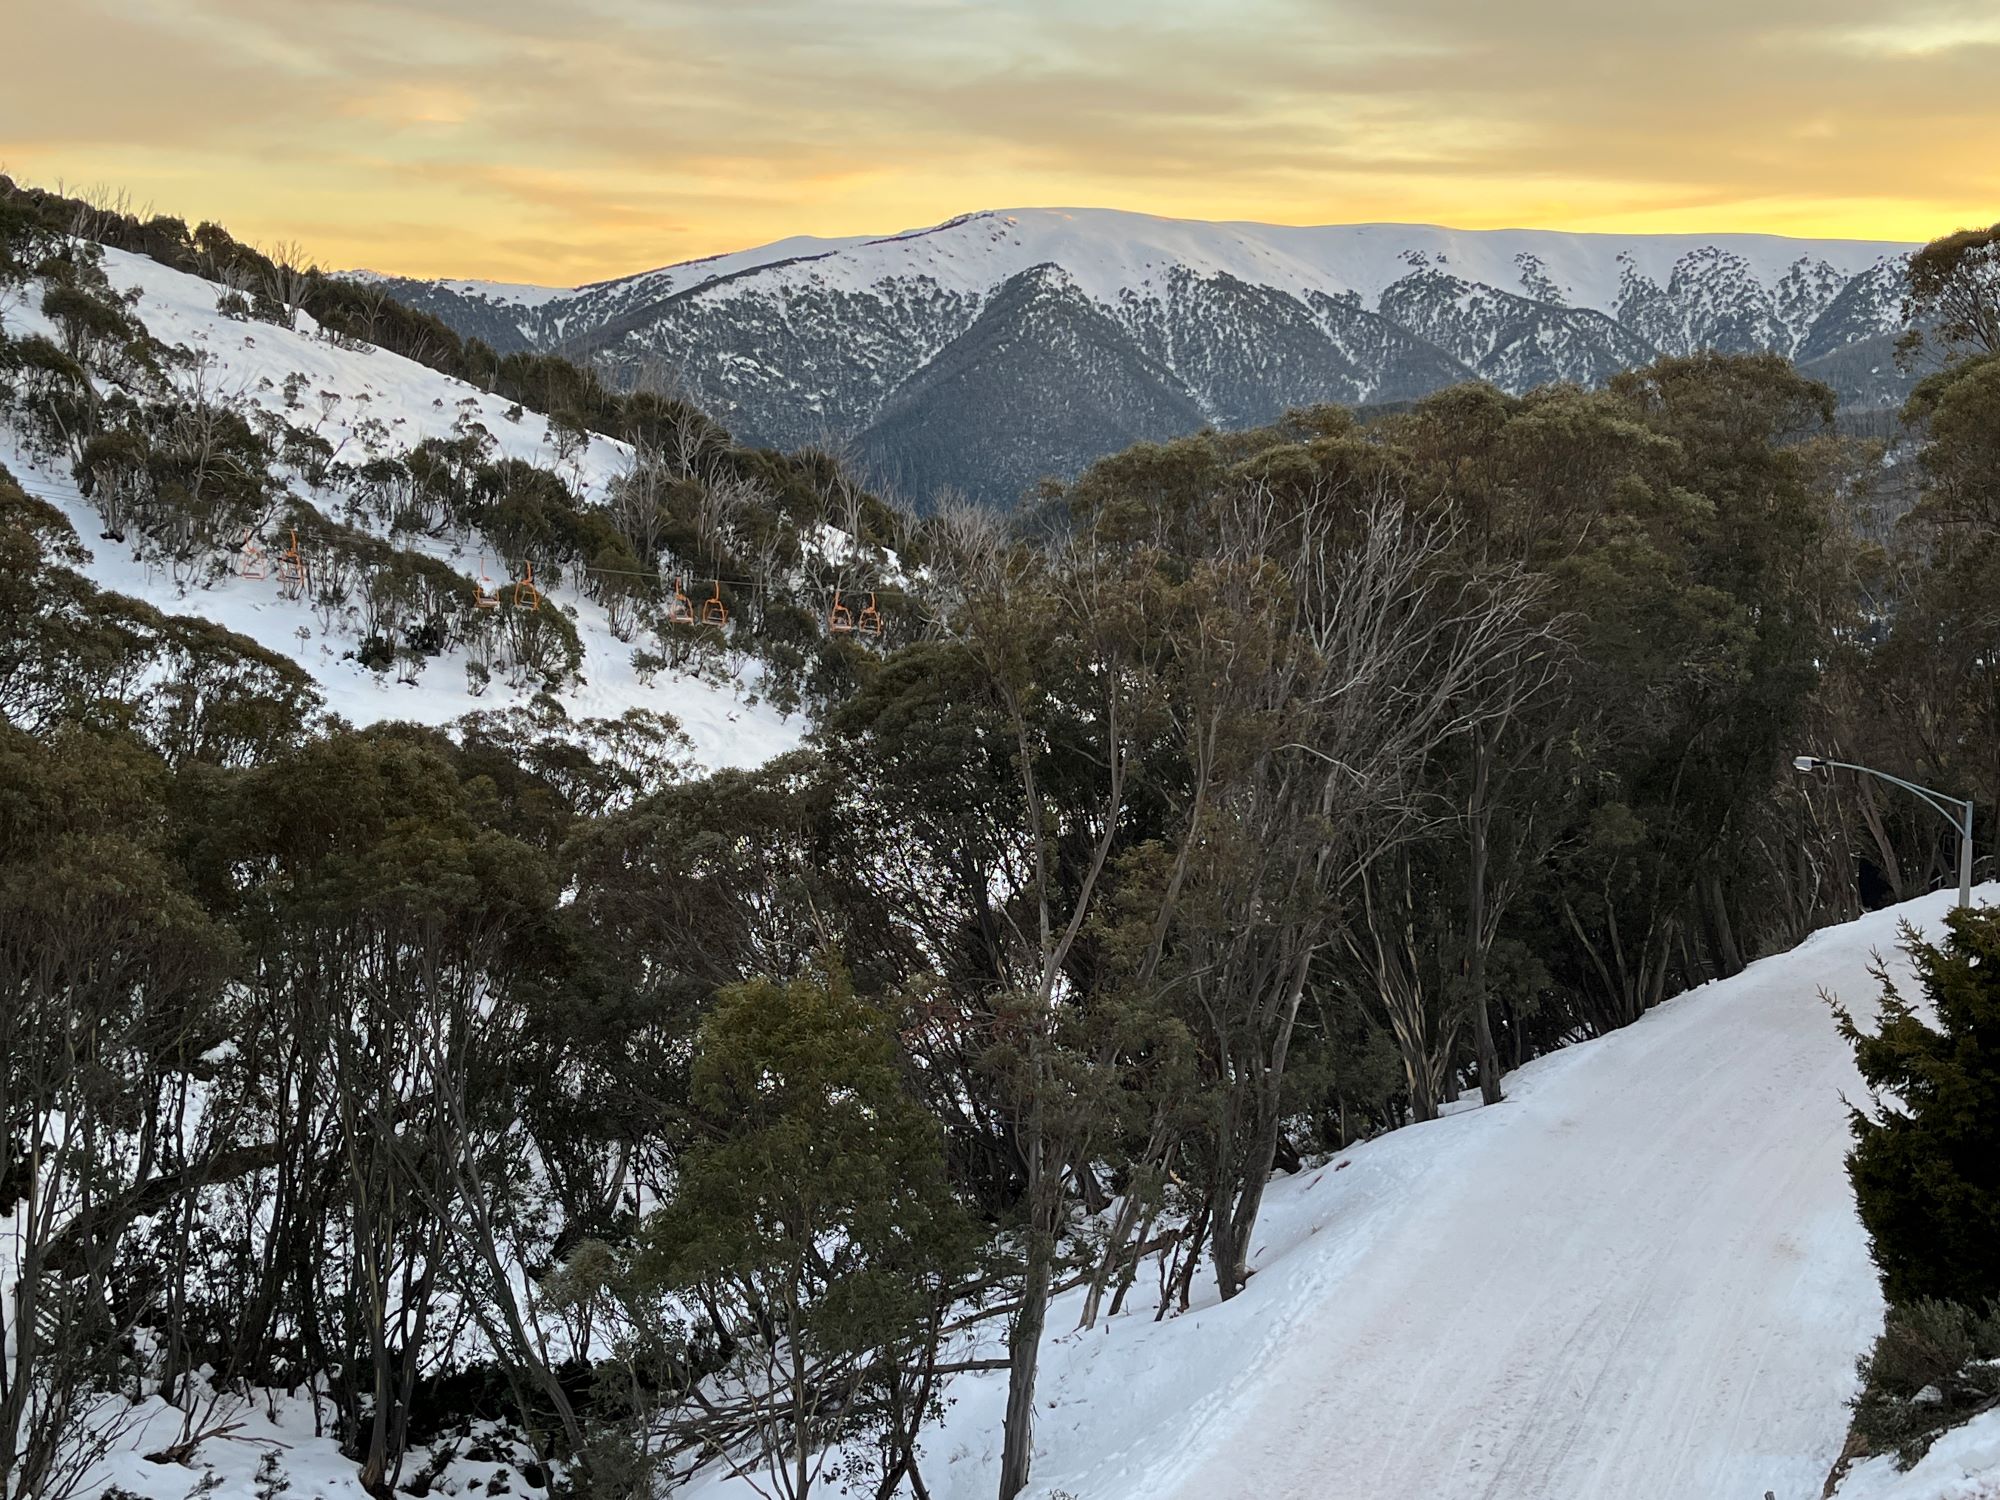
{"x":812,"y":340}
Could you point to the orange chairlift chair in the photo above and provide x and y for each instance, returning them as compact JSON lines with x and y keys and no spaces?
{"x":292,"y":568}
{"x":250,"y":558}
{"x":839,"y":619}
{"x":488,"y":596}
{"x":680,"y":608}
{"x":869,"y":621}
{"x":713,"y":610}
{"x":525,"y":591}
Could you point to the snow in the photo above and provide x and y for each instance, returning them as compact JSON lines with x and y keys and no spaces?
{"x":1112,"y":253}
{"x":517,"y":294}
{"x":1121,"y":260}
{"x":386,"y":404}
{"x":684,"y":274}
{"x":282,"y":1425}
{"x":1962,"y":1465}
{"x":554,"y":305}
{"x":1639,"y":1277}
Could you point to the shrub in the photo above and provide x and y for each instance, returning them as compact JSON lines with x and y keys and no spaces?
{"x":1935,"y":1365}
{"x":376,"y":652}
{"x":1926,"y":1158}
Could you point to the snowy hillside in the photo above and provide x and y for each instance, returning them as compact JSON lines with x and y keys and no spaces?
{"x":530,"y":317}
{"x":1964,"y":1465}
{"x":1226,"y":323}
{"x":1641,"y":1277}
{"x":366,"y":404}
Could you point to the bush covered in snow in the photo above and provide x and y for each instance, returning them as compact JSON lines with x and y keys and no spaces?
{"x":1935,"y":1366}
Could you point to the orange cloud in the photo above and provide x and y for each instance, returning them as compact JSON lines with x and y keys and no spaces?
{"x":514,"y":139}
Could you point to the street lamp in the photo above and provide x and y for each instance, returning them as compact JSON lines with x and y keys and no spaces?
{"x":1957,"y":810}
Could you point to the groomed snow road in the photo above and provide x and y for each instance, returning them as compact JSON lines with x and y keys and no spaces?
{"x":1643,"y":1279}
{"x":1639,"y":1278}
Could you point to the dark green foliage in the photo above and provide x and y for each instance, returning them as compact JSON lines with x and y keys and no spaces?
{"x":812,"y":1207}
{"x":1954,"y":289}
{"x":1926,"y":1160}
{"x":815,"y":1173}
{"x":88,"y":320}
{"x":50,"y":390}
{"x":1958,"y":410}
{"x":111,"y":977}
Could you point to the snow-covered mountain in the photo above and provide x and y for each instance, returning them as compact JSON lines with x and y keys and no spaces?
{"x":987,"y":351}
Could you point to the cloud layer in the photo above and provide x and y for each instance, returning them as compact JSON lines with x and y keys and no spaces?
{"x":565,"y":142}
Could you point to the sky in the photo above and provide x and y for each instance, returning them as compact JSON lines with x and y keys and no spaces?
{"x":561,"y":141}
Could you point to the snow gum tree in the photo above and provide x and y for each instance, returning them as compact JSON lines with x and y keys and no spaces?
{"x":1954,"y":289}
{"x":812,"y":1213}
{"x":109,"y":978}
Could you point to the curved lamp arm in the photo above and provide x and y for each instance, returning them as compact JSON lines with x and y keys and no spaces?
{"x":1957,"y":811}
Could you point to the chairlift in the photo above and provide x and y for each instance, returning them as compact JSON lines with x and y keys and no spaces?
{"x":713,"y":610}
{"x":680,"y":608}
{"x":869,"y":621}
{"x":839,"y":619}
{"x":525,"y":591}
{"x":250,"y":559}
{"x":292,"y":567}
{"x":487,"y":597}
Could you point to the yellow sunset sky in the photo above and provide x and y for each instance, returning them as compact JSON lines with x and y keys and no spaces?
{"x":564,"y":142}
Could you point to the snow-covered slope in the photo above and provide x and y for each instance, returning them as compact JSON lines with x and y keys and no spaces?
{"x":1639,"y":1278}
{"x":1962,"y":1465}
{"x":518,"y":316}
{"x":368,"y":403}
{"x":1233,"y":321}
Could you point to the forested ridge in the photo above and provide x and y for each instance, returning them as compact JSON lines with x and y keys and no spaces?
{"x":506,"y":1086}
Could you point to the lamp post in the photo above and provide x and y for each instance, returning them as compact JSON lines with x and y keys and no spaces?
{"x":1957,"y":810}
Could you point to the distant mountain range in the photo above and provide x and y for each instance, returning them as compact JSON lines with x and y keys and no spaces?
{"x":1000,"y":347}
